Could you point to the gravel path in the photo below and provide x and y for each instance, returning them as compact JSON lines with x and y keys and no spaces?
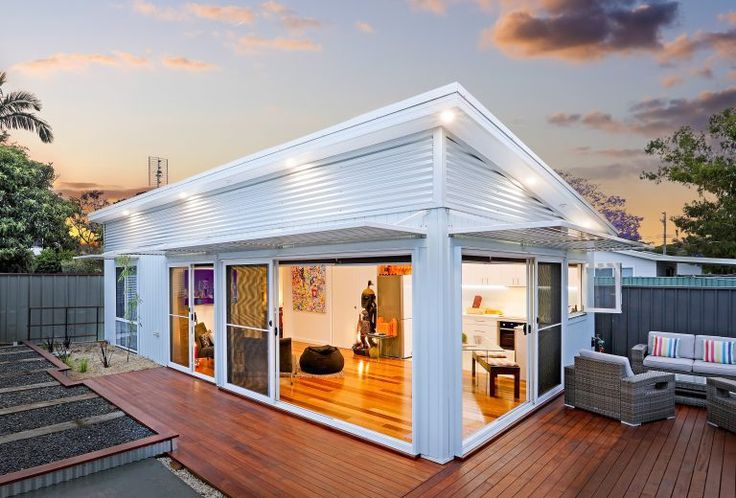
{"x":41,"y":394}
{"x":25,"y":366}
{"x":41,"y":417}
{"x":198,"y":485}
{"x":28,"y":453}
{"x":5,"y":349}
{"x":25,"y":379}
{"x":19,"y":356}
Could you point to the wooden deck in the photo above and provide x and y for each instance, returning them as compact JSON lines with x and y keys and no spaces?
{"x":244,"y":448}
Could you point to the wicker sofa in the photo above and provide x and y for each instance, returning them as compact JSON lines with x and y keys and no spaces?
{"x":689,"y":361}
{"x":605,"y":384}
{"x":721,"y":403}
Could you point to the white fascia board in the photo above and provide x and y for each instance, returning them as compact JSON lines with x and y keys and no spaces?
{"x":563,"y":192}
{"x":407,"y":117}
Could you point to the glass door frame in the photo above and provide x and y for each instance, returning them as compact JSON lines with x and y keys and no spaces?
{"x":190,"y":266}
{"x":221,"y":339}
{"x":562,"y":261}
{"x":492,"y":429}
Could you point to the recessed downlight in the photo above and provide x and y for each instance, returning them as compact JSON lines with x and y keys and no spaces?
{"x":447,"y":116}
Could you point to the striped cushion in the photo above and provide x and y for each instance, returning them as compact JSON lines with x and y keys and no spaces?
{"x":666,"y":346}
{"x":719,"y":352}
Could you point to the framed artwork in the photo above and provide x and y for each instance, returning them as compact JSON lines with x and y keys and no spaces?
{"x":308,"y":288}
{"x":204,"y":286}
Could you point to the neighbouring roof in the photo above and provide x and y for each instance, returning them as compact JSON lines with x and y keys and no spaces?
{"x":695,"y":260}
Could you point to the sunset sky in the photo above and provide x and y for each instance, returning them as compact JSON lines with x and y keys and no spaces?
{"x":585,"y":83}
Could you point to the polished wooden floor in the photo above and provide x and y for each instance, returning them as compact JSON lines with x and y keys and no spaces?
{"x":376,"y":394}
{"x":246,"y":449}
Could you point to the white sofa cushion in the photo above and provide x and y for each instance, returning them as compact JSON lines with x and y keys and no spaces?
{"x":700,"y":339}
{"x":611,"y":358}
{"x":687,"y":343}
{"x":684,"y":365}
{"x":714,"y":369}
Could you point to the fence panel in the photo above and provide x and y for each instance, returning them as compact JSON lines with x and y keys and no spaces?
{"x":705,"y":309}
{"x":34,"y":306}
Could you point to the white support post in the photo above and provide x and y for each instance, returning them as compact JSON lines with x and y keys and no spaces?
{"x":437,"y":373}
{"x":439,"y":154}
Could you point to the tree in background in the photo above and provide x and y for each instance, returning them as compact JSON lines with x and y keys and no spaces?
{"x":612,"y":207}
{"x":88,"y":232}
{"x":30,"y":211}
{"x":17,"y":113}
{"x":707,"y":162}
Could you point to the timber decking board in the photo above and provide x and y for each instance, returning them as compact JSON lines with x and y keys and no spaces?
{"x":245,"y":448}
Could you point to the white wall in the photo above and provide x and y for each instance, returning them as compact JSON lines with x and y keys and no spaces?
{"x":642,"y":267}
{"x":337,"y":326}
{"x":577,"y":336}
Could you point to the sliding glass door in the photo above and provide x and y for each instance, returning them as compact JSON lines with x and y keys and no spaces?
{"x":248,"y":327}
{"x":192,"y":319}
{"x":549,"y":326}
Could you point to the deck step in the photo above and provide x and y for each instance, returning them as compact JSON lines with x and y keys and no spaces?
{"x":63,"y":426}
{"x":44,"y":404}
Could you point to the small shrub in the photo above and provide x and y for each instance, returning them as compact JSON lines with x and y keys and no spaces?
{"x":67,"y":359}
{"x":105,"y":354}
{"x":83,"y":364}
{"x":49,"y":343}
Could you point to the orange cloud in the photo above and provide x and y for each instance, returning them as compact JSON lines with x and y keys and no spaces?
{"x":364,"y":27}
{"x":729,"y":17}
{"x":723,"y":43}
{"x":230,"y":13}
{"x":437,"y":7}
{"x":78,"y":62}
{"x":274,"y":7}
{"x":184,"y":64}
{"x":254,"y":43}
{"x":671,"y":80}
{"x":578,"y":31}
{"x":161,"y":13}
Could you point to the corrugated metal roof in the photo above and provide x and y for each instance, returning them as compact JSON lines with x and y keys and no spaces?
{"x":553,"y":234}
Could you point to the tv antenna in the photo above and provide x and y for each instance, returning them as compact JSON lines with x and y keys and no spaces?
{"x":158,"y":171}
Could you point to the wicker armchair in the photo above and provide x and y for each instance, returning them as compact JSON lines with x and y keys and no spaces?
{"x":606,"y":388}
{"x":638,"y":353}
{"x":721,"y":403}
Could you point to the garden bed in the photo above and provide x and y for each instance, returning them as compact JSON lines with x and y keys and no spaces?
{"x":52,"y":433}
{"x":121,"y":361}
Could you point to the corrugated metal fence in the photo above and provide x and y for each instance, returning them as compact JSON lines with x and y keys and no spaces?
{"x":688,"y":305}
{"x":34,"y":306}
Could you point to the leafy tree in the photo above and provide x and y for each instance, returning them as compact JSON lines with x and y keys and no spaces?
{"x":30,"y":211}
{"x":49,"y":261}
{"x":705,"y":161}
{"x":17,"y":113}
{"x":88,"y":232}
{"x":613,"y":207}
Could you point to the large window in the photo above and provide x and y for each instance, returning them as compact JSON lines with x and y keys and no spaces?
{"x":575,"y":289}
{"x":126,"y":307}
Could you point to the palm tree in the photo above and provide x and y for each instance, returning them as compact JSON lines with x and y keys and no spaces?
{"x":16,"y":113}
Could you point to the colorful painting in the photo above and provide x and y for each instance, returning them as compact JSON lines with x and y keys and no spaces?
{"x":204,"y":286}
{"x":308,"y":288}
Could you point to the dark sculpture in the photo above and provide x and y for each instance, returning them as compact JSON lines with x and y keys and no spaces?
{"x":366,"y":321}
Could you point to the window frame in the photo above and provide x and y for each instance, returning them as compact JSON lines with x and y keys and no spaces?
{"x":123,"y":320}
{"x":616,"y":267}
{"x":582,"y":290}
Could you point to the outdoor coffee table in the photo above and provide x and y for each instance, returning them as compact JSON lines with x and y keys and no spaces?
{"x":496,"y":367}
{"x":690,"y":389}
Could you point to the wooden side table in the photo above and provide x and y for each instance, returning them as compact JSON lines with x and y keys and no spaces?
{"x":496,"y":367}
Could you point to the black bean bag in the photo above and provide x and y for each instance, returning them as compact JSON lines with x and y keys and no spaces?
{"x":321,"y":360}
